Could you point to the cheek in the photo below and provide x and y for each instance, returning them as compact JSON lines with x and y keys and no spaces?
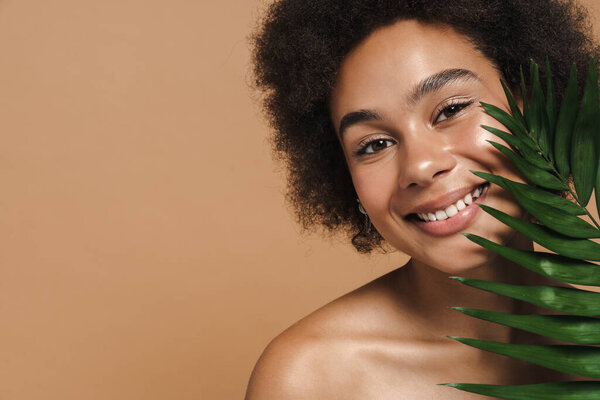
{"x":373,"y":184}
{"x":479,"y":150}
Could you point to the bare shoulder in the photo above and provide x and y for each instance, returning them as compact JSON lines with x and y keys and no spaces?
{"x":289,"y":368}
{"x":321,"y":356}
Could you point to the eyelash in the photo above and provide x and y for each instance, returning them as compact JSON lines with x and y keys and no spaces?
{"x":363,"y":147}
{"x":459,"y":103}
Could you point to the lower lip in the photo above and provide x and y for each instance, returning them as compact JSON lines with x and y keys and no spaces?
{"x":454,"y":224}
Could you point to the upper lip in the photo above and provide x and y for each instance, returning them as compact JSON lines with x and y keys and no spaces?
{"x":443,"y":201}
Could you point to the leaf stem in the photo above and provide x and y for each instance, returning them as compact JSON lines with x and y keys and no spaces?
{"x":585,"y":208}
{"x":551,"y":164}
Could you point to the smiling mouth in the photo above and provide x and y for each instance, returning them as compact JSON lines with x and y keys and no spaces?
{"x":453,"y":209}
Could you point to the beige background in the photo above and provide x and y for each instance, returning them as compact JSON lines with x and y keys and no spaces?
{"x":145,"y":248}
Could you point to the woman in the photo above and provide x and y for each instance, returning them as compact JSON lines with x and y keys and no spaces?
{"x":376,"y":107}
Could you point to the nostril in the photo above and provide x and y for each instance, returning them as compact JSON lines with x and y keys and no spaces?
{"x":422,"y":168}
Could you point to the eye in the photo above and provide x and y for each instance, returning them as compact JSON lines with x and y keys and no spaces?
{"x":451,"y":110}
{"x":375,"y":146}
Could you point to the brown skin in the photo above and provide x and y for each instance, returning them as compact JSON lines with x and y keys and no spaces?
{"x":387,"y":340}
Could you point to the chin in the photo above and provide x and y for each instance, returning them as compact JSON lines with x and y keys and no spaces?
{"x":465,"y":258}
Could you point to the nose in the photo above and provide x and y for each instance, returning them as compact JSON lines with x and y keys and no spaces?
{"x":427,"y":157}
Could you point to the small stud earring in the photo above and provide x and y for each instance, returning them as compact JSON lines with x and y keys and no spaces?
{"x":362,"y":210}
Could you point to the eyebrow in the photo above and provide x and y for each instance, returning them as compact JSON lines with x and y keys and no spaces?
{"x":436,"y":81}
{"x":428,"y":85}
{"x":357,"y":117}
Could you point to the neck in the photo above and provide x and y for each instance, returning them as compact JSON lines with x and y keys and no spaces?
{"x":432,"y":292}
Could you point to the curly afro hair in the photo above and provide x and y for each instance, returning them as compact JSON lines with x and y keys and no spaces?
{"x":299,"y":48}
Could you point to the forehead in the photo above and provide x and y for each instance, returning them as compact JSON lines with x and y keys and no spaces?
{"x":394,"y":59}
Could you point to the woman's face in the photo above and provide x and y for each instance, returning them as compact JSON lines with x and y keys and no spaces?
{"x":406,"y":109}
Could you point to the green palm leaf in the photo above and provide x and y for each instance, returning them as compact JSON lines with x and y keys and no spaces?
{"x":566,"y":328}
{"x":522,"y":190}
{"x":565,"y":124}
{"x":572,"y":359}
{"x":553,"y":266}
{"x":550,"y":103}
{"x":551,"y":216}
{"x":524,"y":97}
{"x":514,"y":107}
{"x":562,"y":299}
{"x":532,"y":173}
{"x":539,"y":126}
{"x":561,"y":244}
{"x":526,"y":151}
{"x":507,"y":120}
{"x":542,"y":391}
{"x":584,"y":151}
{"x":548,"y":145}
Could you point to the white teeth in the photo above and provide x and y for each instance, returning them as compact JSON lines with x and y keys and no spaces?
{"x":468,"y":199}
{"x":441,"y":215}
{"x":451,"y":211}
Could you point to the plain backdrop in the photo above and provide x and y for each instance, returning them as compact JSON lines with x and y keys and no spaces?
{"x":146,"y":251}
